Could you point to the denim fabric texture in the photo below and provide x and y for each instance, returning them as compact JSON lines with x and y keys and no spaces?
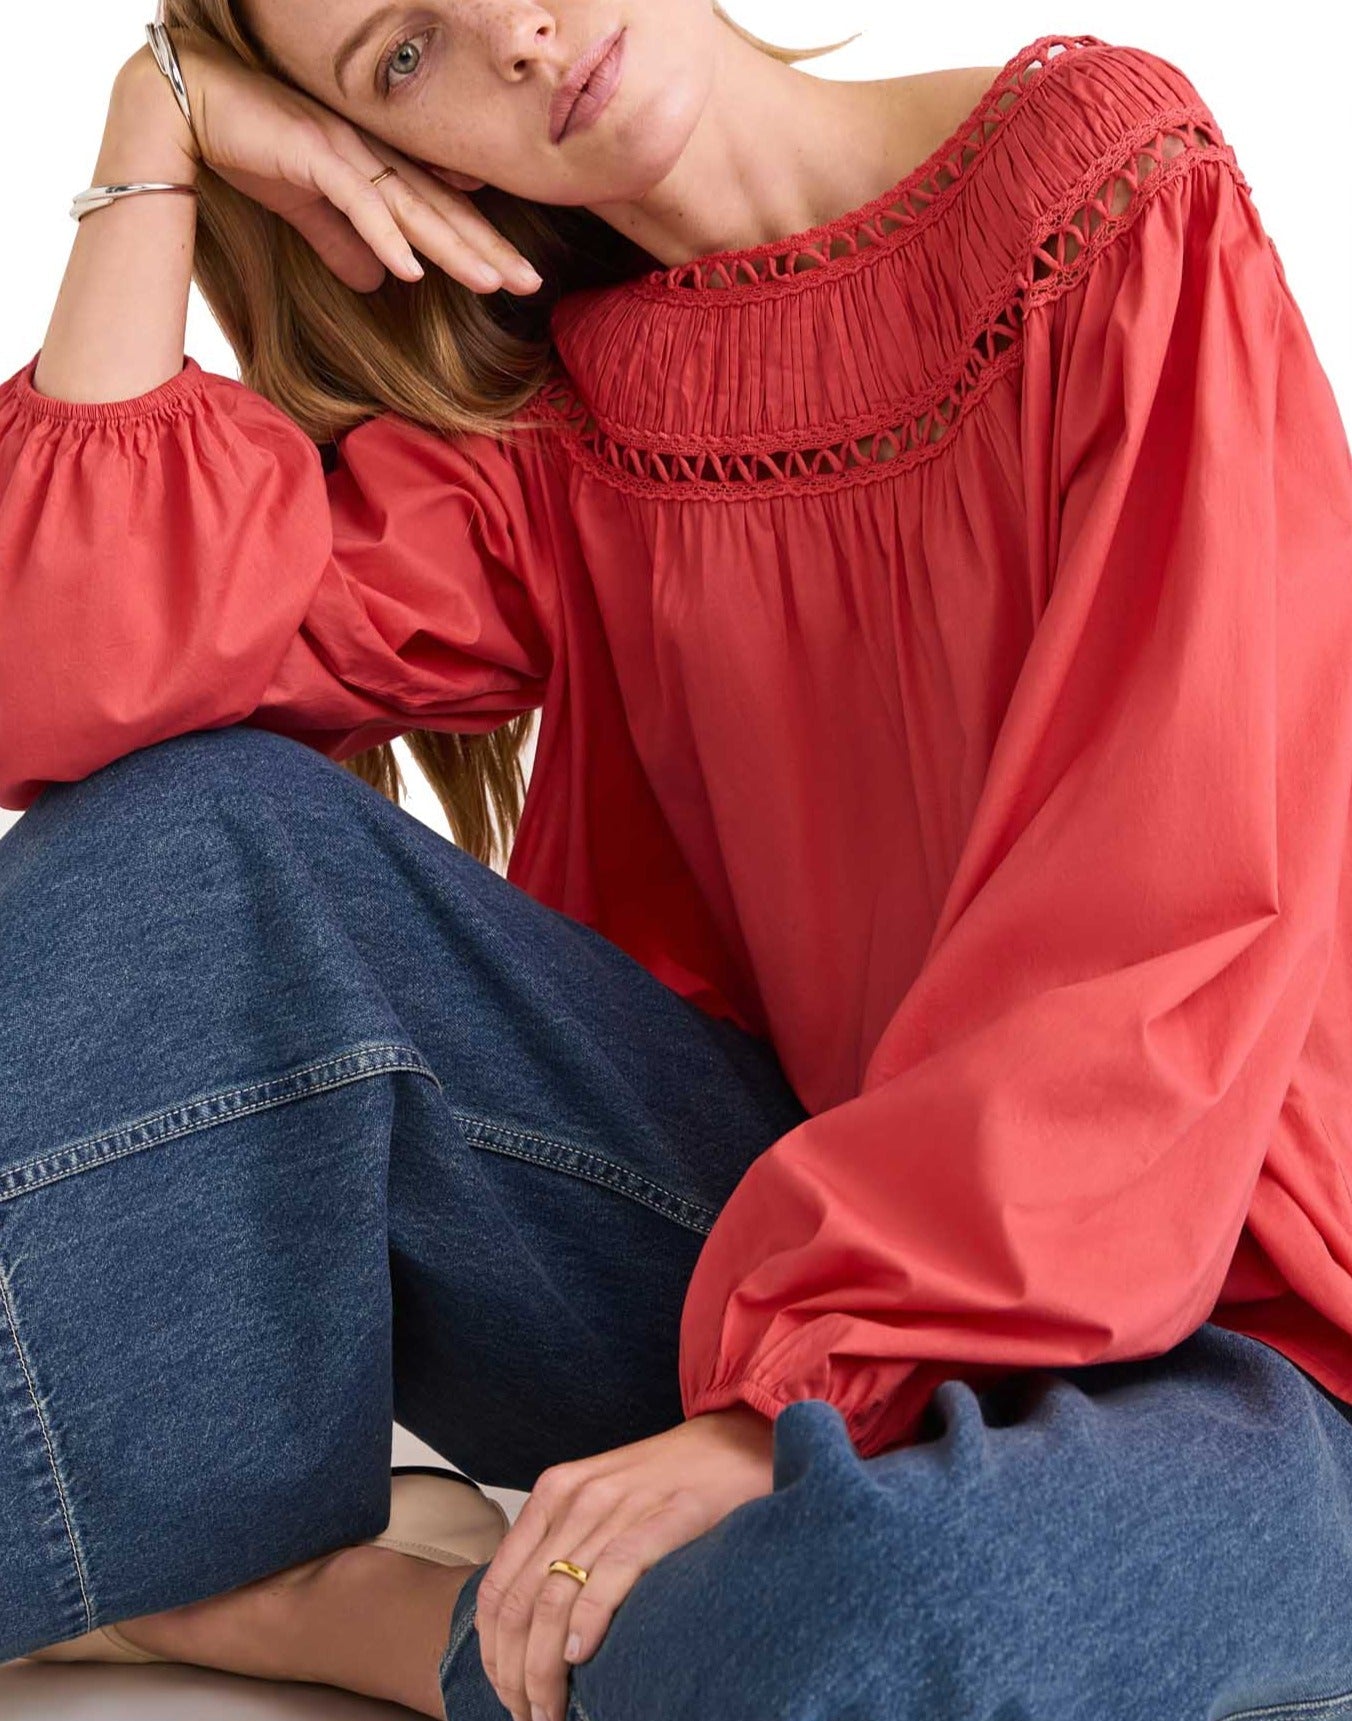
{"x":310,"y":1121}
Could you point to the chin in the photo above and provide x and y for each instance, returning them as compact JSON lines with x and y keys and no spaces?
{"x":639,"y":138}
{"x":627,"y":179}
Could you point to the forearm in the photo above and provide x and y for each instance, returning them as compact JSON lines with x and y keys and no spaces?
{"x":117,"y":328}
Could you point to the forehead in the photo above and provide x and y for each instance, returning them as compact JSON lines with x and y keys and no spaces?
{"x":306,"y":32}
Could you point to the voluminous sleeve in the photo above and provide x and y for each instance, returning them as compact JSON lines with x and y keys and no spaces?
{"x":182,"y":560}
{"x":1052,"y":1154}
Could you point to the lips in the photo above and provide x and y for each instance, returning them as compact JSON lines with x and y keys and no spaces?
{"x":572,"y":86}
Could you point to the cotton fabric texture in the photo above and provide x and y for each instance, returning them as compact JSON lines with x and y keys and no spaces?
{"x":942,"y":655}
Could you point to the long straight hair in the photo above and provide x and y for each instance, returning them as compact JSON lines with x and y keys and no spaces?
{"x":433,"y":351}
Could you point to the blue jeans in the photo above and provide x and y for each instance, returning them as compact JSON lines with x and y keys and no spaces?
{"x":310,"y":1121}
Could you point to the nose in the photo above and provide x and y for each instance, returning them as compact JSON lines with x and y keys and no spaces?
{"x":525,"y":34}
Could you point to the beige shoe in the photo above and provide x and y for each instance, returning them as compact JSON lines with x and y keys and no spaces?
{"x":455,"y":1525}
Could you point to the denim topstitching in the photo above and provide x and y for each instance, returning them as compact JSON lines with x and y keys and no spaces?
{"x":7,"y":1301}
{"x":592,"y":1167}
{"x":202,"y":1113}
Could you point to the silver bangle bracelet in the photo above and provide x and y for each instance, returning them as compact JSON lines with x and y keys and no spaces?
{"x":166,"y":57}
{"x":97,"y":196}
{"x":161,"y":45}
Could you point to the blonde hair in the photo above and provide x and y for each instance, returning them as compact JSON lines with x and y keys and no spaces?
{"x":433,"y":351}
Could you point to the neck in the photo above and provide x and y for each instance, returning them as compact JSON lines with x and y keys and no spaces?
{"x":775,"y":151}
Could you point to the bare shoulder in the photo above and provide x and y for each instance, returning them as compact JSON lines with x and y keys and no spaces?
{"x":925,"y":109}
{"x":945,"y":99}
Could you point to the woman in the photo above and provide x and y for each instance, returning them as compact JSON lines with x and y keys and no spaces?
{"x":919,"y":983}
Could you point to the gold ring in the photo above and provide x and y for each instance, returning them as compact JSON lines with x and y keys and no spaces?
{"x":385,"y":175}
{"x":573,"y":1571}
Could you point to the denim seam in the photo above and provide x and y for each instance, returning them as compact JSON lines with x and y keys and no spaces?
{"x":1304,"y":1706}
{"x":575,"y":1703}
{"x":192,"y":1116}
{"x":458,"y":1637}
{"x":7,"y":1299}
{"x":592,"y":1166}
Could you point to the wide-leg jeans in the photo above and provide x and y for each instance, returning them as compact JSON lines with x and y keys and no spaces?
{"x":309,"y":1121}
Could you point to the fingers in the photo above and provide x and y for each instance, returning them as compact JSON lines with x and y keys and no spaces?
{"x":423,"y":203}
{"x":338,"y":245}
{"x":507,"y":1590}
{"x":556,"y":1522}
{"x":541,"y":1684}
{"x":526,"y":1614}
{"x":614,"y":1562}
{"x":524,"y":1660}
{"x":412,"y":207}
{"x":476,"y":254}
{"x":350,"y":191}
{"x":613,"y":1568}
{"x":315,"y":169}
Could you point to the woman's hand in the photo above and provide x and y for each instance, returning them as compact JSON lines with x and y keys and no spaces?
{"x":614,"y":1515}
{"x":310,"y":166}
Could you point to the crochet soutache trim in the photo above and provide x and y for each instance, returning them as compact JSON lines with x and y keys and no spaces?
{"x":864,"y":235}
{"x":890,"y":441}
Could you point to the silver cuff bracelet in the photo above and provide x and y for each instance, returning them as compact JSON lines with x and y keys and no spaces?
{"x":98,"y":196}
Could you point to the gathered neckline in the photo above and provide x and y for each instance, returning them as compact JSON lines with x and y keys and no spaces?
{"x":864,"y":367}
{"x":736,"y":274}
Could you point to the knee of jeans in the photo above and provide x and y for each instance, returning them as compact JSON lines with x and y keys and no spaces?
{"x":146,"y":802}
{"x":213,"y":761}
{"x":206,"y":750}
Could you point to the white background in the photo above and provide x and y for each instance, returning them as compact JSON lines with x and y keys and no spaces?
{"x":1278,"y":98}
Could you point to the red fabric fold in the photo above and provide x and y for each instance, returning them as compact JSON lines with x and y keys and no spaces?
{"x":181,"y":561}
{"x":1060,"y":1130}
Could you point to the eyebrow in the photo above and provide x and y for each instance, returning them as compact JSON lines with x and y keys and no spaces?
{"x":357,"y":40}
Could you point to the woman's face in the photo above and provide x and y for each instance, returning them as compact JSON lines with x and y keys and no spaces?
{"x":465,"y":86}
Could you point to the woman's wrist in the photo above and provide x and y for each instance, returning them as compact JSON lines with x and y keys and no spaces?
{"x":145,"y":135}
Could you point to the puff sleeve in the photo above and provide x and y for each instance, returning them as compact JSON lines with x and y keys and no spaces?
{"x":1059,"y":1130}
{"x":182,"y":560}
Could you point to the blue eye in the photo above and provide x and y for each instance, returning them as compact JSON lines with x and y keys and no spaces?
{"x":387,"y":64}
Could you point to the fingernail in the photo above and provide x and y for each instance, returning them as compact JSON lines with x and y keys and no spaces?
{"x":573,"y":1649}
{"x":537,"y":1714}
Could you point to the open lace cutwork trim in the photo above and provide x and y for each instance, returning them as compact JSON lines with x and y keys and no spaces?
{"x":864,"y":233}
{"x":892,"y":441}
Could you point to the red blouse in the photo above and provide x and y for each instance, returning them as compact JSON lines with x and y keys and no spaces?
{"x":943,"y":654}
